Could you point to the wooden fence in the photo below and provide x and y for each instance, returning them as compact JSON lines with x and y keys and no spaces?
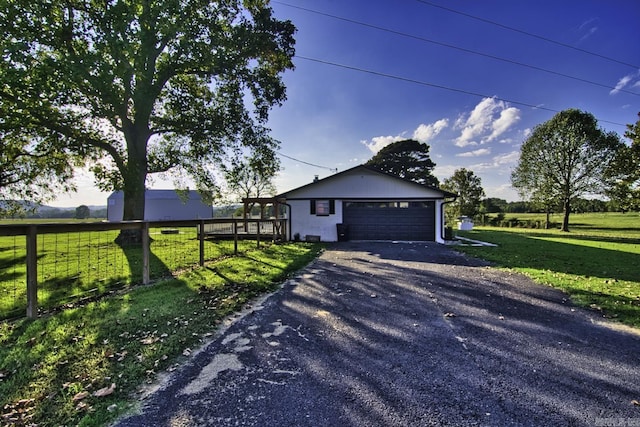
{"x":225,"y":228}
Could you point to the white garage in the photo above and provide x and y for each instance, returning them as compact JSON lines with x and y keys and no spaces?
{"x":363,"y":203}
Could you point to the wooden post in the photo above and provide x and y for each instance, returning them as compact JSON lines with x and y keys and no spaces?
{"x":32,"y":272}
{"x":258,"y":223}
{"x":201,"y":237}
{"x":235,"y":237}
{"x":146,"y":248}
{"x":273,"y":231}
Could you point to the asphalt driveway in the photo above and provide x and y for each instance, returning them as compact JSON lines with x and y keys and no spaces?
{"x":401,"y":334}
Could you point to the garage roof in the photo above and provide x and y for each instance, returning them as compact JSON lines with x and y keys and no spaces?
{"x":348,"y":184}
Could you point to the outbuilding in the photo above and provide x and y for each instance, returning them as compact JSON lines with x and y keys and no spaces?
{"x":163,"y":205}
{"x":363,"y":203}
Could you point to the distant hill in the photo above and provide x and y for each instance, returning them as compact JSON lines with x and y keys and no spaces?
{"x":34,"y":210}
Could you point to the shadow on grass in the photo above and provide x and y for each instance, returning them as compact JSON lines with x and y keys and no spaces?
{"x":602,"y":279}
{"x":90,"y":342}
{"x":227,"y":280}
{"x":77,"y":286}
{"x":621,"y":308}
{"x":265,"y":263}
{"x":531,"y":251}
{"x":609,"y":239}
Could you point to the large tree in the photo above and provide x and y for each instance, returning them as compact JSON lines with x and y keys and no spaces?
{"x":407,"y":159}
{"x":564,"y":158}
{"x":625,"y":172}
{"x":139,"y":87}
{"x":468,"y":187}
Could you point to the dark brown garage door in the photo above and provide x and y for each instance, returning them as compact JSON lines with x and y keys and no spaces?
{"x":397,"y":220}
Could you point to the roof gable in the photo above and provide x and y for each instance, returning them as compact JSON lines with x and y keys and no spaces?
{"x":365,"y":182}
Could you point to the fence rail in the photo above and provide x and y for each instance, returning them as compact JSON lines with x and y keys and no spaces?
{"x":54,"y":258}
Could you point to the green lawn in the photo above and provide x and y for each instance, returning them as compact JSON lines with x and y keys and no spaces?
{"x":596,"y":263}
{"x":85,"y":365}
{"x":75,"y":265}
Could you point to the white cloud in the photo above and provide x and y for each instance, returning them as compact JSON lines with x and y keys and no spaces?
{"x":486,"y":122}
{"x":508,"y":118}
{"x":425,"y":133}
{"x":475,"y":153}
{"x":588,"y":28}
{"x":507,"y":158}
{"x":466,"y":137}
{"x":626,"y":80}
{"x":444,"y":172}
{"x":499,"y":164}
{"x":379,"y":142}
{"x":504,"y":191}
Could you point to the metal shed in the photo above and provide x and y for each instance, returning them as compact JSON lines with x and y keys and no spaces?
{"x":162,"y":205}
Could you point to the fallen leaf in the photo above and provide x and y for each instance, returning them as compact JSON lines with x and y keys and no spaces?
{"x":81,"y":406}
{"x":449,"y":314}
{"x":105,"y":391}
{"x":149,"y":340}
{"x":80,"y":396}
{"x":635,"y":402}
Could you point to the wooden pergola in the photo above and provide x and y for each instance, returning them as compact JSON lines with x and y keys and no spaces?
{"x":276,"y":202}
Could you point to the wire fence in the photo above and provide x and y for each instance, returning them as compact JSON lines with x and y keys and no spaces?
{"x":81,"y":261}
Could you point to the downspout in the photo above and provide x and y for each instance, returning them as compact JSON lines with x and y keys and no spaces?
{"x":442,"y":216}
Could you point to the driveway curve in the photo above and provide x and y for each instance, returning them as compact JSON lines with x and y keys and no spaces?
{"x":406,"y":334}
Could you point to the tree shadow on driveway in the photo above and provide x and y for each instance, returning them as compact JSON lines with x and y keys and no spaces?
{"x":408,"y":334}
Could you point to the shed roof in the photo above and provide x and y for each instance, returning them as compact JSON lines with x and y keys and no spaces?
{"x":151,"y":194}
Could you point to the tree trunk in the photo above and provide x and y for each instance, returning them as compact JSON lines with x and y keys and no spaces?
{"x":134,"y":179}
{"x":567,"y":211}
{"x":547,"y":224}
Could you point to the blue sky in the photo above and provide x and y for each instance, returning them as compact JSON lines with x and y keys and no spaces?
{"x":372,"y":72}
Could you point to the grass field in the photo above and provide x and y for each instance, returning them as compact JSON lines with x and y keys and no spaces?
{"x":74,"y":265}
{"x":85,"y":365}
{"x":597,"y":263}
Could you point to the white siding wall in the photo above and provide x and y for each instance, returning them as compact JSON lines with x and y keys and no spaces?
{"x":304,"y":223}
{"x":362,"y":183}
